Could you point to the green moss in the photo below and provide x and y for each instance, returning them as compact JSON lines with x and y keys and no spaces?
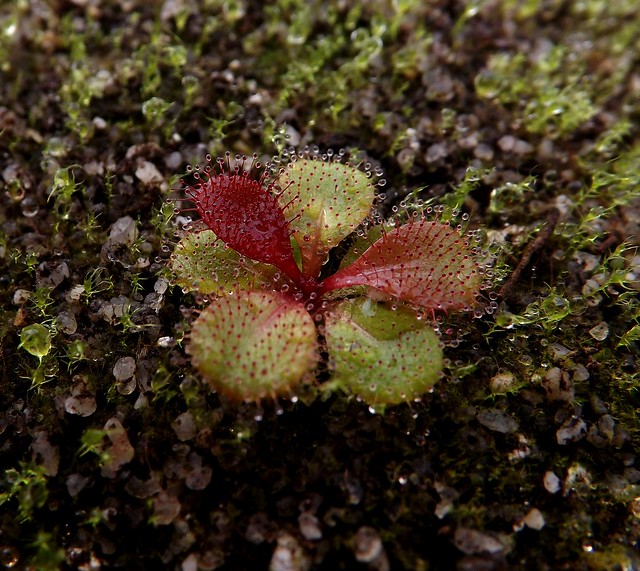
{"x":614,"y":556}
{"x":550,"y":92}
{"x":36,"y":339}
{"x":47,"y":554}
{"x":26,"y":488}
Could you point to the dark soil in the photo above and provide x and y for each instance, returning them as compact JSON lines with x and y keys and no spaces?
{"x":115,"y":455}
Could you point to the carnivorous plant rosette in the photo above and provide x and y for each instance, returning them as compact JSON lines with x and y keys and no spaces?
{"x":260,"y":253}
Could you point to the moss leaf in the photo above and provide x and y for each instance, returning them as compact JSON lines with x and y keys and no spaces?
{"x":36,"y":339}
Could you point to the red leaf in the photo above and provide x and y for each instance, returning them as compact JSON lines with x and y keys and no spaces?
{"x":244,"y":214}
{"x":424,"y":262}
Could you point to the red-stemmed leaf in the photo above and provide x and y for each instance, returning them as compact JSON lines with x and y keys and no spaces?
{"x":426,"y":263}
{"x":244,"y":214}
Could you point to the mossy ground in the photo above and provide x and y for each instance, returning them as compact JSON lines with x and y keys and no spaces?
{"x":514,"y":109}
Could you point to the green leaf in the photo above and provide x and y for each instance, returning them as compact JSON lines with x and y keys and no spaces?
{"x":630,"y":337}
{"x":254,"y":344}
{"x":324,"y":202}
{"x":202,"y":262}
{"x":36,"y":339}
{"x":383,"y":355}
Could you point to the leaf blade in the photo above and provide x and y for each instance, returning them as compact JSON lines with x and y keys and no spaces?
{"x":254,"y":344}
{"x":245,"y":215}
{"x":202,"y":262}
{"x":425,"y":263}
{"x":325,"y":201}
{"x":386,"y":357}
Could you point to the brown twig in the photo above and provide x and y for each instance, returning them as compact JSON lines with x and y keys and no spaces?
{"x":529,"y":251}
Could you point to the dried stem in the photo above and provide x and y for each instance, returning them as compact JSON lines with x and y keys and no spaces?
{"x":535,"y":245}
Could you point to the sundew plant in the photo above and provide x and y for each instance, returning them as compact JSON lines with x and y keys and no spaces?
{"x":279,"y":311}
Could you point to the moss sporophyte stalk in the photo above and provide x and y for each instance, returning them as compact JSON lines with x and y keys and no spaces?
{"x":278,"y":310}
